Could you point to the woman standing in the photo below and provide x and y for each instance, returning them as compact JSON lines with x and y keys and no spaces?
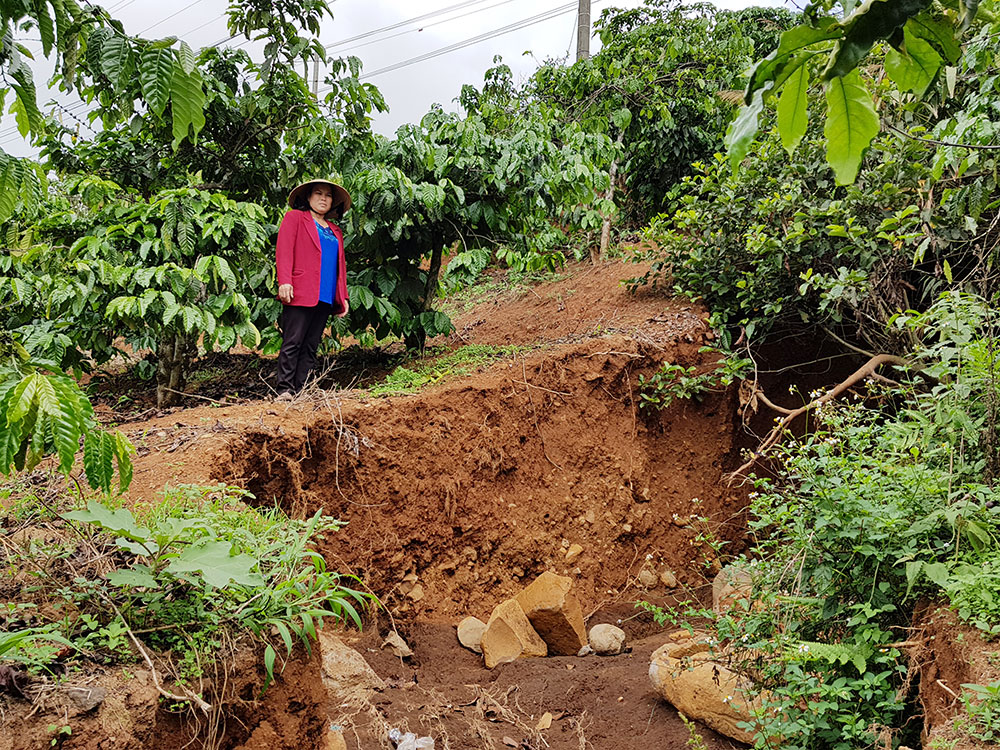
{"x":312,"y":277}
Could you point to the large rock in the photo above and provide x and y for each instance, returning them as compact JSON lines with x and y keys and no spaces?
{"x":607,"y":640}
{"x":686,"y":673}
{"x":470,"y":633}
{"x":346,"y":675}
{"x":555,"y":614}
{"x":729,"y":587}
{"x":509,"y":636}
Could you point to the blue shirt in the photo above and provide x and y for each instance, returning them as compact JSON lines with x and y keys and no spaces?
{"x":328,"y":247}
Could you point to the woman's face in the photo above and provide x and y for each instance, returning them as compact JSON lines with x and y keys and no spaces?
{"x":321,"y":199}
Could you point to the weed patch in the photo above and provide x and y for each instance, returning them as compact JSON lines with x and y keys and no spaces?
{"x":432,"y":370}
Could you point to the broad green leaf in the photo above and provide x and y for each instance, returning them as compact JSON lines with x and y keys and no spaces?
{"x":98,"y":460}
{"x":12,"y":176}
{"x":119,"y":521}
{"x":186,"y":58}
{"x":742,"y":130}
{"x":621,"y":118}
{"x":217,"y":567}
{"x":915,"y":70}
{"x":116,"y":60}
{"x":24,"y":397}
{"x":123,"y":455}
{"x":46,"y":29}
{"x":140,"y":576}
{"x":851,"y":123}
{"x":187,"y":104}
{"x":937,"y":573}
{"x":156,"y":70}
{"x":793,"y":112}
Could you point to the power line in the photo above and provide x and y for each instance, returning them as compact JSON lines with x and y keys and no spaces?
{"x":516,"y":26}
{"x":426,"y":26}
{"x":164,"y":20}
{"x":400,"y":24}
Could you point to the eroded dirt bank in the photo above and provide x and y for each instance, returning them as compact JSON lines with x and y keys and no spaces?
{"x":459,"y":495}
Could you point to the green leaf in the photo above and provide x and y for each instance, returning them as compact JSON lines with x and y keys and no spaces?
{"x":139,"y":577}
{"x":217,"y":567}
{"x":937,"y":573}
{"x":742,"y":130}
{"x":915,"y":69}
{"x":793,"y":112}
{"x":119,"y":521}
{"x":156,"y":71}
{"x":621,"y":118}
{"x":116,"y":60}
{"x":851,"y":123}
{"x":269,"y":658}
{"x":187,"y":104}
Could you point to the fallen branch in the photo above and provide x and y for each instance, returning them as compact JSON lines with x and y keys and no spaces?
{"x":772,"y":439}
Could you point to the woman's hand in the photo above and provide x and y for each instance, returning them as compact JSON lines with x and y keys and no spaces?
{"x":285,"y":293}
{"x":347,"y":306}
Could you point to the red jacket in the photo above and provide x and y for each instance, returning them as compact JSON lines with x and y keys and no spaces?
{"x":298,"y":260}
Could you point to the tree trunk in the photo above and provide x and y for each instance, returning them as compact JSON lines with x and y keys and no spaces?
{"x":173,"y":354}
{"x":602,"y":251}
{"x":417,"y":339}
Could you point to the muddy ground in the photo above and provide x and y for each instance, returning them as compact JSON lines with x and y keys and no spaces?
{"x":456,"y":497}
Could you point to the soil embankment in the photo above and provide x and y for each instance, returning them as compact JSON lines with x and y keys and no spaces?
{"x":457,"y":496}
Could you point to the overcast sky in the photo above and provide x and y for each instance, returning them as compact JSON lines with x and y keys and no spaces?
{"x":411,"y":87}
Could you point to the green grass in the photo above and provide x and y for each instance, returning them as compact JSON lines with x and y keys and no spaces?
{"x":433,"y":369}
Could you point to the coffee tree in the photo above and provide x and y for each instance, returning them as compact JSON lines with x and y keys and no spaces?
{"x":466,"y":181}
{"x":166,"y":273}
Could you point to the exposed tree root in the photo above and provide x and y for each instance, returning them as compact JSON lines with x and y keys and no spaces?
{"x":774,"y":437}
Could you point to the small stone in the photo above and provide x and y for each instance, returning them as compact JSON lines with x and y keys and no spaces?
{"x":87,"y":698}
{"x":648,"y":579}
{"x":668,"y":579}
{"x":334,"y":739}
{"x":399,"y":647}
{"x":470,"y":633}
{"x":544,"y":722}
{"x":346,"y":675}
{"x":585,"y":651}
{"x":607,"y":640}
{"x":574,"y":551}
{"x":416,"y":593}
{"x":589,"y":517}
{"x":627,"y":527}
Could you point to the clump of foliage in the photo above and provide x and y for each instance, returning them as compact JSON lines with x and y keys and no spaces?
{"x":165,"y":272}
{"x":190,"y":576}
{"x":888,"y":498}
{"x":44,"y":412}
{"x":654,"y":87}
{"x":672,"y":381}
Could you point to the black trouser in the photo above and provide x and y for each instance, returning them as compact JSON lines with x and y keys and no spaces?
{"x":301,"y":332}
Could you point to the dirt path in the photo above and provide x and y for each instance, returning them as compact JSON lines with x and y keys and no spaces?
{"x":459,"y":495}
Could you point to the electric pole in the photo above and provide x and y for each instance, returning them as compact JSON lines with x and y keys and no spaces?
{"x":583,"y":31}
